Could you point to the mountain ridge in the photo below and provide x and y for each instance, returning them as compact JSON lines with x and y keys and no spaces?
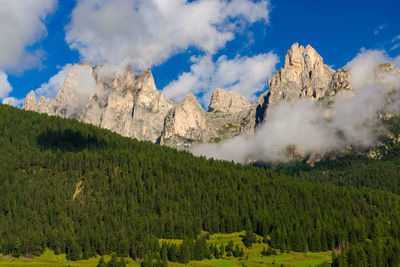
{"x":131,"y":105}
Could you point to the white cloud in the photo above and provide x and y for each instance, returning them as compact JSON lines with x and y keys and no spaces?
{"x":5,"y":87}
{"x":144,"y":33}
{"x":17,"y":102}
{"x":21,"y":25}
{"x":51,"y":88}
{"x":311,"y":128}
{"x":246,"y":75}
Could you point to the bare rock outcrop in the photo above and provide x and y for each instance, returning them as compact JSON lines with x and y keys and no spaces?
{"x":185,"y":123}
{"x":227,"y":101}
{"x":30,"y":102}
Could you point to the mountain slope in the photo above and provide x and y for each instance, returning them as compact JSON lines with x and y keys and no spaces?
{"x":84,"y":190}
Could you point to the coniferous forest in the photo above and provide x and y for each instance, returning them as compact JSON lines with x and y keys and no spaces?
{"x":85,"y":191}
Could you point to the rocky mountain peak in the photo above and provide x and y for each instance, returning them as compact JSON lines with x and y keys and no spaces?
{"x":303,"y":75}
{"x":227,"y":101}
{"x":145,"y":81}
{"x":124,"y":80}
{"x":191,"y":101}
{"x":304,"y":71}
{"x":30,"y":101}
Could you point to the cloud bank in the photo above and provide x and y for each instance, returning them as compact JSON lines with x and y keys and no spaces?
{"x":309,"y":127}
{"x":144,"y":33}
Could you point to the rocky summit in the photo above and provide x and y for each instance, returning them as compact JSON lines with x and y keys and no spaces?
{"x":131,"y":105}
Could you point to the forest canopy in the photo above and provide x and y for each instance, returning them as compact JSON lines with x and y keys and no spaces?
{"x":82,"y":190}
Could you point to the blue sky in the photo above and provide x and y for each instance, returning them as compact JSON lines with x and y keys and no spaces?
{"x":336,"y":29}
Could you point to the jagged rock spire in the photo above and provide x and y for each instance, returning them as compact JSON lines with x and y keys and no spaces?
{"x":30,"y":101}
{"x":303,"y":75}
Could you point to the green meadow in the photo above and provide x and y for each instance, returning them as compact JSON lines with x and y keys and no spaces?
{"x":48,"y":258}
{"x":252,"y":256}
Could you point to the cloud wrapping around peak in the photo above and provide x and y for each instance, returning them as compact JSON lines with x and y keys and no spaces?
{"x":246,"y":75}
{"x":51,"y":88}
{"x":21,"y":26}
{"x":308,"y":127}
{"x":144,"y":33}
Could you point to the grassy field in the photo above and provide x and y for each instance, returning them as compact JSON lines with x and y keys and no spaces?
{"x":252,"y":257}
{"x":48,"y":258}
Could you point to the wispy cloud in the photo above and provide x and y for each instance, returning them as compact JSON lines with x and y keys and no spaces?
{"x":380,"y":28}
{"x":394,"y":47}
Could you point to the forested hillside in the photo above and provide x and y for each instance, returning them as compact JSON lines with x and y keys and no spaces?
{"x":78,"y":189}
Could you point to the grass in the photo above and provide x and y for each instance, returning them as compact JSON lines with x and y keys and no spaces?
{"x":252,"y":257}
{"x":48,"y":258}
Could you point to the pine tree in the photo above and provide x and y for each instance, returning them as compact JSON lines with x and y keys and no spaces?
{"x":236,"y":251}
{"x":249,"y":238}
{"x":101,"y":262}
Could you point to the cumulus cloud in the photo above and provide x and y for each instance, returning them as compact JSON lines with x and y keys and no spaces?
{"x":51,"y":88}
{"x":144,"y":33}
{"x":5,"y":86}
{"x":246,"y":75}
{"x":22,"y":25}
{"x":309,"y":127}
